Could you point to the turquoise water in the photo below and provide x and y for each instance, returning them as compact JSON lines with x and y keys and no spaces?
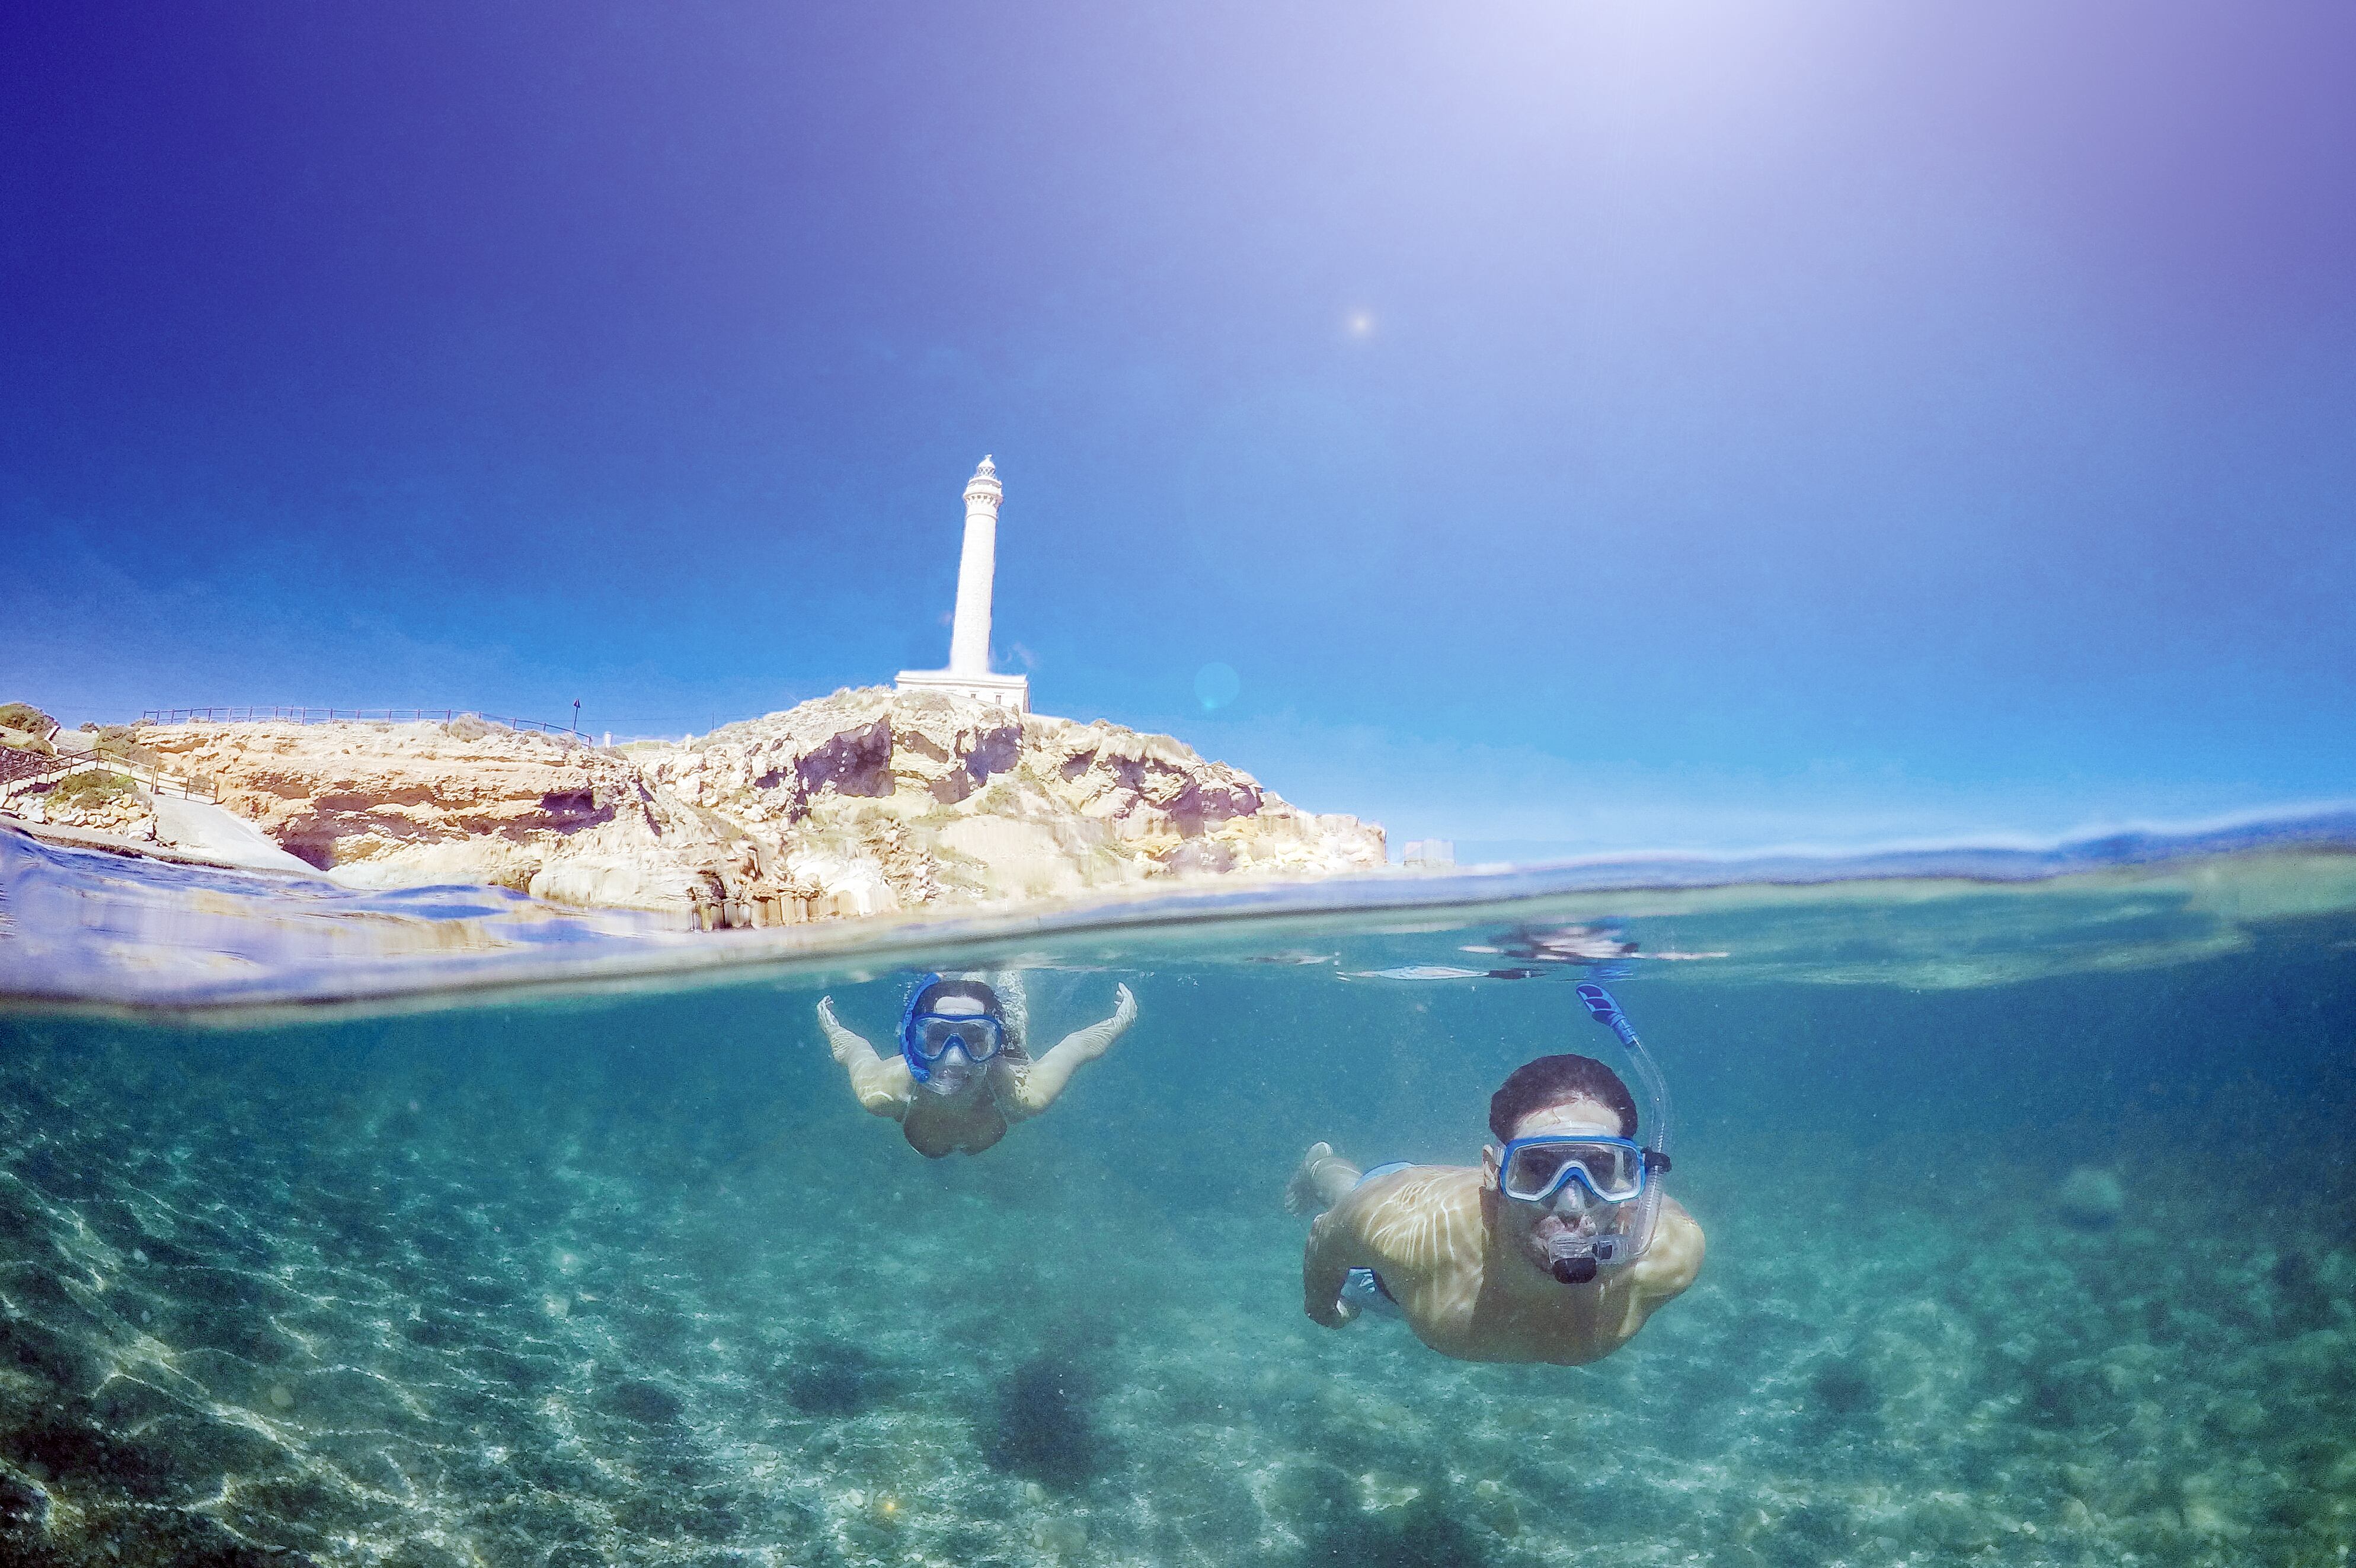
{"x":432,"y":1230}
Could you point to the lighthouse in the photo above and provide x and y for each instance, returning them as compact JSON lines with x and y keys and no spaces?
{"x":968,"y":670}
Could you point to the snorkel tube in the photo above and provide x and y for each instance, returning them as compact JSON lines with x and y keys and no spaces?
{"x":918,"y":1068}
{"x":1576,"y":1260}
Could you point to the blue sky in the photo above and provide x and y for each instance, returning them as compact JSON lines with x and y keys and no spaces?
{"x":1579,"y":426}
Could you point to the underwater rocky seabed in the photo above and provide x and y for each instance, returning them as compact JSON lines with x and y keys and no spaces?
{"x":632,"y":1281}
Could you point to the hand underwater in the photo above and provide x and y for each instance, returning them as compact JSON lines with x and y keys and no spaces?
{"x":1096,"y":1039}
{"x":1124,"y":1013}
{"x":1336,"y":1313}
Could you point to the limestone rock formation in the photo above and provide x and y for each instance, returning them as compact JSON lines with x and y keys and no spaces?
{"x":863,"y":802}
{"x":100,"y":802}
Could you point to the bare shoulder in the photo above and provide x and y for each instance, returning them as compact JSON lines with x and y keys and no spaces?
{"x":1674,"y":1260}
{"x":1421,"y":1220}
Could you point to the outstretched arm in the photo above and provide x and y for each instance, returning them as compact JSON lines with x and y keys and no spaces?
{"x":1047,"y":1076}
{"x":882,"y":1083}
{"x":1334,"y":1248}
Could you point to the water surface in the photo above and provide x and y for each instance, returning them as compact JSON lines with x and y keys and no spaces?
{"x":436,"y":1228}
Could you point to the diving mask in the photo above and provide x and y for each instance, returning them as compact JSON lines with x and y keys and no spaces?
{"x":1533,"y":1170}
{"x":930,"y":1035}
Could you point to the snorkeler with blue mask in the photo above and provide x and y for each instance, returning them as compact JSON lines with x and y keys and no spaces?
{"x":962,"y":1075}
{"x":1555,"y":1248}
{"x":951,"y":1030}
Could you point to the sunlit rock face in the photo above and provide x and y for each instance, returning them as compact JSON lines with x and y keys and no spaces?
{"x":863,"y":802}
{"x":403,"y":805}
{"x":909,"y":799}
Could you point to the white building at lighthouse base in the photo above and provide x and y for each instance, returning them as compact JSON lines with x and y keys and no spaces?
{"x":968,"y":674}
{"x":1001,"y":690}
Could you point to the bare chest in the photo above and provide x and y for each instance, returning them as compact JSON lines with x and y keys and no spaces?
{"x":1473,"y":1319}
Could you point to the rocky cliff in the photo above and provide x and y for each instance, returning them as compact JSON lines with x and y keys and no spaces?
{"x":861,"y":802}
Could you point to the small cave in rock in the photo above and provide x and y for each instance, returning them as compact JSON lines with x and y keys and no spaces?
{"x":575,"y":808}
{"x":319,"y":854}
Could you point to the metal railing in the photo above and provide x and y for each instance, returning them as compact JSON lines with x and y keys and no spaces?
{"x":19,"y":768}
{"x":365,"y":715}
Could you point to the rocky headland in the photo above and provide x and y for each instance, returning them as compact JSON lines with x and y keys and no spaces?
{"x":867,"y":802}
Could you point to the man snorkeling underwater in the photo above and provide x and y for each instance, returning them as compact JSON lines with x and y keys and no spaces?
{"x":1556,"y":1248}
{"x":962,"y":1075}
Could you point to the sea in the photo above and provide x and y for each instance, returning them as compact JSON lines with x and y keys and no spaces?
{"x":438,"y":1229}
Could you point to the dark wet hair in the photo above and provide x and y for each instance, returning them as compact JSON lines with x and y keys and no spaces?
{"x":936,"y":990}
{"x":1551,"y":1080}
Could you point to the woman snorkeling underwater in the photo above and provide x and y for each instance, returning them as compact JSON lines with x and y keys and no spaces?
{"x":963,"y":1074}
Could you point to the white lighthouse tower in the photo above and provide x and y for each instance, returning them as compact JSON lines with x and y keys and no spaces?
{"x":969,"y":672}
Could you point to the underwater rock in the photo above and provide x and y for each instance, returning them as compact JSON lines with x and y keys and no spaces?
{"x":1040,"y":1425}
{"x":836,"y":1378}
{"x":2303,"y":1298}
{"x":21,"y":1505}
{"x":1379,"y":1493}
{"x":650,"y":1405}
{"x":1060,"y":1537}
{"x":2090,"y":1199}
{"x":2065,"y":1396}
{"x":1302,"y":1490}
{"x":1950,"y":1519}
{"x":2206,"y":1506}
{"x":1423,"y":1535}
{"x":52,"y":1445}
{"x":1496,"y":1508}
{"x":1842,"y":1390}
{"x":2239,"y":1416}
